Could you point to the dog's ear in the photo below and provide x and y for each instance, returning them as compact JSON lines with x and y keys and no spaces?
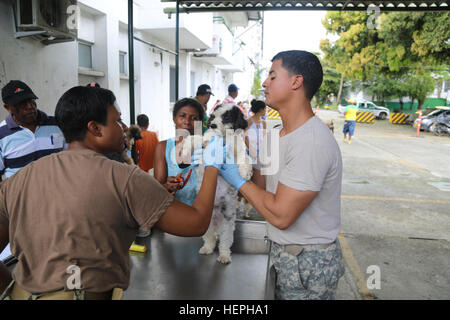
{"x":240,"y":122}
{"x":211,"y":118}
{"x":235,"y":117}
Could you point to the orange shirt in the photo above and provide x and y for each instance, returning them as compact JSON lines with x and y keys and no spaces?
{"x":145,"y":148}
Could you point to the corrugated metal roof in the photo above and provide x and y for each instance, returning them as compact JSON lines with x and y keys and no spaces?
{"x":245,"y":5}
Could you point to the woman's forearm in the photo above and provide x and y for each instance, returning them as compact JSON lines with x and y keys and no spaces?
{"x":204,"y":202}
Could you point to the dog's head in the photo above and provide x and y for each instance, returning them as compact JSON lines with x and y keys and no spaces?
{"x":227,"y":116}
{"x":133,"y":134}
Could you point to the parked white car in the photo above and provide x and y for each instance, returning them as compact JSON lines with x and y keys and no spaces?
{"x":368,"y":106}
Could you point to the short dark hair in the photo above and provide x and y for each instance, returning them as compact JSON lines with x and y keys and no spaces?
{"x":204,"y":89}
{"x":306,"y":64}
{"x":78,"y":106}
{"x":257,"y":105}
{"x":232,"y":88}
{"x":188,"y":102}
{"x":142,"y":120}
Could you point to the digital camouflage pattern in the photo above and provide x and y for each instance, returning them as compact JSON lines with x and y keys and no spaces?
{"x":312,"y":275}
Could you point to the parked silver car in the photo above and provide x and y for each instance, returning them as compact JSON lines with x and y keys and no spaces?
{"x":429,"y":119}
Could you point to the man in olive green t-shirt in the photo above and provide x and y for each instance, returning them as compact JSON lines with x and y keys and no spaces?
{"x":203,"y":95}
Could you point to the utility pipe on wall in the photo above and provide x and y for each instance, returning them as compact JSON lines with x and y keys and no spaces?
{"x":131,"y":59}
{"x":177,"y":49}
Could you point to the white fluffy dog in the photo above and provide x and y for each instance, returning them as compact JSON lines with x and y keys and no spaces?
{"x":226,"y":121}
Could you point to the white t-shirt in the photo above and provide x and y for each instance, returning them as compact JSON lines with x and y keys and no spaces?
{"x":309,"y":159}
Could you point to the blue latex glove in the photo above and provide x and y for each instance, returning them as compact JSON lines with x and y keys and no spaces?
{"x":213,"y":155}
{"x":230,"y":171}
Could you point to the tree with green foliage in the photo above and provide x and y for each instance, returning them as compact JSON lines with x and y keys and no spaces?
{"x":354,"y":52}
{"x":382,"y":88}
{"x":257,"y":85}
{"x":400,"y":90}
{"x":418,"y":86}
{"x":329,"y":87}
{"x":422,"y":37}
{"x":330,"y":84}
{"x":402,"y":47}
{"x":343,"y":54}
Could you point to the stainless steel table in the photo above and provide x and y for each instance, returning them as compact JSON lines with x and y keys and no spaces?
{"x":173,"y":269}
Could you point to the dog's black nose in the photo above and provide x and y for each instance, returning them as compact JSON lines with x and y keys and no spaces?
{"x":214,"y":126}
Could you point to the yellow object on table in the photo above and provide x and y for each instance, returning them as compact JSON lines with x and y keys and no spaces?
{"x":138,"y":248}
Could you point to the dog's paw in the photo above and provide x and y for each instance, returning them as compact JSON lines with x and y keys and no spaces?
{"x":187,"y":147}
{"x":205,"y":250}
{"x":224,"y":259}
{"x":245,"y":170}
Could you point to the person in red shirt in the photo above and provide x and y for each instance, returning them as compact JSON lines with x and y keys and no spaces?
{"x":233,"y":92}
{"x":145,"y":147}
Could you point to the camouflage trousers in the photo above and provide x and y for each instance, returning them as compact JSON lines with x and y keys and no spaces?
{"x":312,"y":274}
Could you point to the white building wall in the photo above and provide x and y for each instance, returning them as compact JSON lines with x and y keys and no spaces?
{"x":123,"y":98}
{"x":222,"y":80}
{"x":52,"y":70}
{"x":35,"y":64}
{"x":251,"y":37}
{"x":111,"y":43}
{"x":221,"y":31}
{"x":86,"y":31}
{"x":216,"y":78}
{"x":199,"y":24}
{"x":203,"y":75}
{"x":153,"y":88}
{"x":151,"y":17}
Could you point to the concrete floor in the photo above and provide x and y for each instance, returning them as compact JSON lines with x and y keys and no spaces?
{"x":395,"y":211}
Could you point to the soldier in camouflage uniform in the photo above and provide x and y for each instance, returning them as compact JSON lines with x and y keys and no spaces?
{"x":311,"y":275}
{"x":298,"y":192}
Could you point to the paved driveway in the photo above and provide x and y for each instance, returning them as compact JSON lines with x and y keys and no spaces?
{"x":395,"y":212}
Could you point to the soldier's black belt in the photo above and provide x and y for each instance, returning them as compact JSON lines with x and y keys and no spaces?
{"x":296,"y":249}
